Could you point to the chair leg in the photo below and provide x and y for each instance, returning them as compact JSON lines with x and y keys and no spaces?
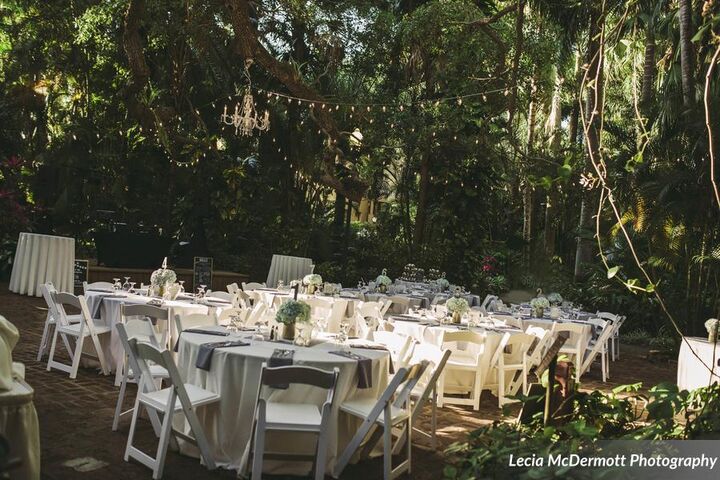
{"x":477,"y":390}
{"x":52,"y":350}
{"x":501,"y":386}
{"x":433,"y":422}
{"x":100,"y":354}
{"x":44,"y":339}
{"x":121,"y":397}
{"x":409,"y":444}
{"x":387,"y":445}
{"x":200,"y":438}
{"x":165,"y":433}
{"x":259,"y":449}
{"x":320,"y":457}
{"x":76,"y":357}
{"x":131,"y":433}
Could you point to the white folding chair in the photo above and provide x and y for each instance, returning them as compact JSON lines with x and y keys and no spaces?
{"x":158,"y":318}
{"x":252,"y":286}
{"x":465,"y":360}
{"x":543,"y":340}
{"x":368,"y":317}
{"x":257,"y":315}
{"x":47,"y":290}
{"x":292,"y":417}
{"x":575,"y":345}
{"x":599,"y":346}
{"x":321,"y":310}
{"x":399,"y":346}
{"x":98,"y":286}
{"x":233,"y":288}
{"x":194,"y":320}
{"x":141,"y":330}
{"x":617,"y":321}
{"x":509,"y":361}
{"x":386,"y":304}
{"x":226,"y":314}
{"x":80,"y":331}
{"x":485,"y":305}
{"x":178,"y":397}
{"x":380,"y":417}
{"x":425,"y":390}
{"x":220,"y":295}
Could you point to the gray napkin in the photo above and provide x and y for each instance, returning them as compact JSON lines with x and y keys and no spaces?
{"x":281,"y":357}
{"x":199,"y":330}
{"x":364,"y":370}
{"x":204,"y":358}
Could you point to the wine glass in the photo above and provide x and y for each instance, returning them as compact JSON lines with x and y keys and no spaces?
{"x":116,"y":284}
{"x":343,"y":335}
{"x":132,"y":287}
{"x":126,"y":285}
{"x":182,"y":286}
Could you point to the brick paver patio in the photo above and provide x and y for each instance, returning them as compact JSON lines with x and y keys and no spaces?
{"x":76,"y":415}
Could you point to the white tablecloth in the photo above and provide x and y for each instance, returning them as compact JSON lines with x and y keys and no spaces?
{"x":110,"y":315}
{"x":19,"y":425}
{"x":287,"y":268}
{"x":40,"y":259}
{"x":691,"y":371}
{"x":235,"y":375}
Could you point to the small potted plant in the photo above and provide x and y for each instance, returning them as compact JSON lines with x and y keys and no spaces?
{"x":383,"y":281}
{"x":312,"y":282}
{"x":539,"y":304}
{"x":290,"y":313}
{"x":457,"y":305}
{"x":712,"y":325}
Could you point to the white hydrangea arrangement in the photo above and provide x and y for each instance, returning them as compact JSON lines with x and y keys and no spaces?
{"x":457,"y":305}
{"x":443,"y":283}
{"x":539,"y":302}
{"x":555,"y":298}
{"x":312,"y":279}
{"x":162,"y":277}
{"x":383,"y":279}
{"x":712,"y":325}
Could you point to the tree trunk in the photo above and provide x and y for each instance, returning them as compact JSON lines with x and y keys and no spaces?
{"x":649,"y":68}
{"x":686,"y":53}
{"x":519,"y":39}
{"x":421,"y":216}
{"x":593,"y":115}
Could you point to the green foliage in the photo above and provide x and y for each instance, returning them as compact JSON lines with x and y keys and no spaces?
{"x":624,"y":414}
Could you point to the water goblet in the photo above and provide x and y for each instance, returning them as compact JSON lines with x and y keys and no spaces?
{"x":132,"y":287}
{"x":182,"y":286}
{"x":126,"y":285}
{"x":116,"y":284}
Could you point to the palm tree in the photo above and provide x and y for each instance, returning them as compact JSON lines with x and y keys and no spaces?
{"x":686,"y":52}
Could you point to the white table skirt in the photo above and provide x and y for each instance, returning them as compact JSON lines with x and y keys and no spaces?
{"x":287,"y":269}
{"x":235,"y":375}
{"x":110,"y":316}
{"x":40,"y":259}
{"x":692,"y":373}
{"x":19,"y":425}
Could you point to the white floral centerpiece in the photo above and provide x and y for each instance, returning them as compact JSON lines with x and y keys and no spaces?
{"x":383,"y":281}
{"x":712,"y":325}
{"x":162,"y":278}
{"x":457,"y":306}
{"x":312,"y":281}
{"x":555,"y":299}
{"x":539,"y":304}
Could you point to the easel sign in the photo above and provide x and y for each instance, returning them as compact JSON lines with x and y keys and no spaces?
{"x":80,"y":274}
{"x":202,"y":272}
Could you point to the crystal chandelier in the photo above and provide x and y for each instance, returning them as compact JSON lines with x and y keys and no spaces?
{"x":247,"y":119}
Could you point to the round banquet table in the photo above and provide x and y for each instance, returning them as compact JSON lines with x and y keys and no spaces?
{"x":105,"y":309}
{"x":692,"y":373}
{"x":40,"y":259}
{"x":235,"y":375}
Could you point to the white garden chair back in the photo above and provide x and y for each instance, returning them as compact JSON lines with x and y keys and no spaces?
{"x":97,"y":285}
{"x":399,"y":346}
{"x":615,"y":338}
{"x":233,"y":288}
{"x":178,"y":397}
{"x":220,"y":295}
{"x":157,"y":318}
{"x":425,"y":390}
{"x":509,"y":361}
{"x":575,"y":344}
{"x":599,"y":346}
{"x":140,"y":329}
{"x":252,"y":286}
{"x":293,"y":417}
{"x":485,"y":305}
{"x":385,"y":306}
{"x":368,"y":318}
{"x":47,"y":289}
{"x":380,"y":417}
{"x":227,"y":314}
{"x":257,"y":314}
{"x":467,"y":354}
{"x":194,"y":320}
{"x":399,"y":304}
{"x":321,"y":309}
{"x":80,"y":331}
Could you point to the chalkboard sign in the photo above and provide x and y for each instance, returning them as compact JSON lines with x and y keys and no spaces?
{"x":80,"y":273}
{"x":202,"y":272}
